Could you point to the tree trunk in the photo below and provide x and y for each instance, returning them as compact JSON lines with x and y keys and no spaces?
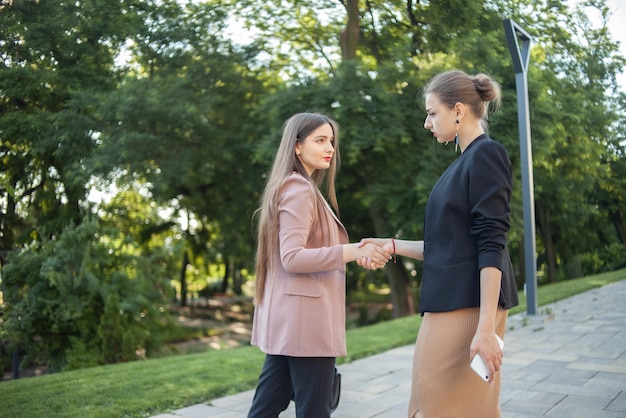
{"x":237,"y":280}
{"x":618,"y":223}
{"x":400,"y":285}
{"x":521,"y":280}
{"x":349,"y":37}
{"x":227,"y":272}
{"x":8,"y":223}
{"x":546,"y":225}
{"x":183,"y":280}
{"x":550,"y":253}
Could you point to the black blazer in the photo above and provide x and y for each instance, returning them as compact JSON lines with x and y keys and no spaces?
{"x":465,"y":229}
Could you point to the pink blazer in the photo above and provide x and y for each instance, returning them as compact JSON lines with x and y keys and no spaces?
{"x":303,"y":309}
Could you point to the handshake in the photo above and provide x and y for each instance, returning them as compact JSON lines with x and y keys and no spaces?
{"x":374,"y":253}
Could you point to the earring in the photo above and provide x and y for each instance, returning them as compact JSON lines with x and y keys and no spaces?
{"x":456,"y":137}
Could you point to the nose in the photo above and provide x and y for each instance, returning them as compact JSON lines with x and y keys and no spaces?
{"x":427,"y":124}
{"x":330,"y":148}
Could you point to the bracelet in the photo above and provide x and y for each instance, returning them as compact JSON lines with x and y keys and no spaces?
{"x":393,"y":243}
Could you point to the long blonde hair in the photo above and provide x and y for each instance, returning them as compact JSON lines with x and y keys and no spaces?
{"x":295,"y":130}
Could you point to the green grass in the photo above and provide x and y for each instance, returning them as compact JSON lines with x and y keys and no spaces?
{"x":552,"y":292}
{"x":147,"y":388}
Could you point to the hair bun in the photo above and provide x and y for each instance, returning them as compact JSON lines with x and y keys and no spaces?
{"x":487,"y":88}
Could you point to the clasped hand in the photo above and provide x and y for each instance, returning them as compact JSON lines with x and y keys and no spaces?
{"x":378,"y":247}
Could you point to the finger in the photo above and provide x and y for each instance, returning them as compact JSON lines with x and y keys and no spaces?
{"x":492,"y":371}
{"x":380,"y":264}
{"x":380,"y":259}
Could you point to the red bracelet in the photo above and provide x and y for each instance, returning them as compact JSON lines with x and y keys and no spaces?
{"x":393,"y":243}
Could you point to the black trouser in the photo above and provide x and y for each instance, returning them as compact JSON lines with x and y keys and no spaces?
{"x":308,"y":379}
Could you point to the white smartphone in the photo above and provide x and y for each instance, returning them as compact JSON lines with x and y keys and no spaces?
{"x":479,"y":366}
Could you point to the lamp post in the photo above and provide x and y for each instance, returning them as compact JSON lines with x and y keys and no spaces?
{"x":521,"y":56}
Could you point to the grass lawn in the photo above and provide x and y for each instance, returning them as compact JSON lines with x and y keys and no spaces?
{"x":150,"y":387}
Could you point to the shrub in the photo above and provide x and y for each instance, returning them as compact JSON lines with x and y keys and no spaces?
{"x":79,"y":300}
{"x":608,"y":258}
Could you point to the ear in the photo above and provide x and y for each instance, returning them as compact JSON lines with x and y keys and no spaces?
{"x":297,"y":148}
{"x":459,"y":109}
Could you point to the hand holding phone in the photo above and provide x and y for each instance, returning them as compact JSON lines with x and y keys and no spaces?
{"x":479,"y":366}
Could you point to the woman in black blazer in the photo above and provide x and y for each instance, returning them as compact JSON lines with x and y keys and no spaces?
{"x":468,"y":284}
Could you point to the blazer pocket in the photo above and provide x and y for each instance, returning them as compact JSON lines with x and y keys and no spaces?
{"x":311,"y":288}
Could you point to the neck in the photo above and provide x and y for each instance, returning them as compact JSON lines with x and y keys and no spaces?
{"x":467,"y":138}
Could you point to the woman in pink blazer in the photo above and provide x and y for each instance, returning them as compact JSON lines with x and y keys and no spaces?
{"x":299,"y":317}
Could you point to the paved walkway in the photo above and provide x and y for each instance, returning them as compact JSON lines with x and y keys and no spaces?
{"x":568,"y":361}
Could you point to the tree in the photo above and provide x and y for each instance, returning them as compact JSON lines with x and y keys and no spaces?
{"x":573,"y":94}
{"x":180,"y":123}
{"x":59,"y":281}
{"x":56,"y":56}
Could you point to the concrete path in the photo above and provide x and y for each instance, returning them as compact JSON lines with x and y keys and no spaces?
{"x":568,"y":361}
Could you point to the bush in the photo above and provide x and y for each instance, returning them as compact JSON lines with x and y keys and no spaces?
{"x":608,"y":258}
{"x":613,"y":256}
{"x":78,"y":301}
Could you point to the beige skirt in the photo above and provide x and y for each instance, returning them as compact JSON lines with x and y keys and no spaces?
{"x":443,"y":384}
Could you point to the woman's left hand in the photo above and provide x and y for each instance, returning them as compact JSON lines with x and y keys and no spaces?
{"x":486,"y":344}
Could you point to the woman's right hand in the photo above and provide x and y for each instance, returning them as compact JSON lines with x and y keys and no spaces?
{"x":377,"y":245}
{"x":384,"y":243}
{"x":372,"y":256}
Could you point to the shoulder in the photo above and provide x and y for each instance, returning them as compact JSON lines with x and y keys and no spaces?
{"x":490,"y":146}
{"x":297,"y":188}
{"x":488,"y":153}
{"x":296,"y":181}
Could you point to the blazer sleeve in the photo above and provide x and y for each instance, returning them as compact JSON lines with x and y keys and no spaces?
{"x":490,"y":184}
{"x":297,"y":219}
